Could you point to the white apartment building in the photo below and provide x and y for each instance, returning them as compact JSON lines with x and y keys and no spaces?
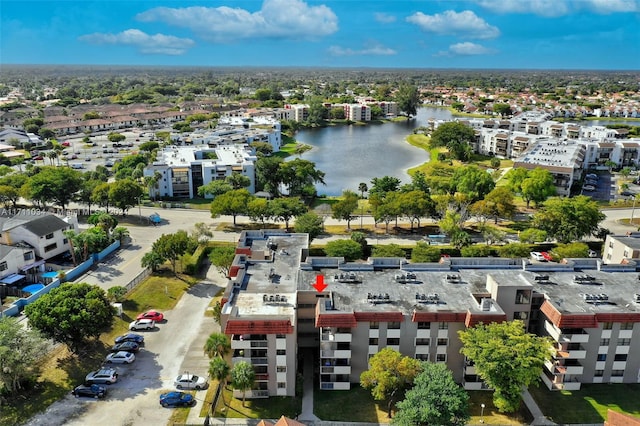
{"x":300,"y":111}
{"x":357,"y":112}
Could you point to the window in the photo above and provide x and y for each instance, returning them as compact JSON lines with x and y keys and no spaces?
{"x":626,"y":253}
{"x":392,"y":341}
{"x":523,"y":297}
{"x":617,"y":373}
{"x":441,"y":357}
{"x":51,"y":247}
{"x":626,"y":326}
{"x":282,"y":385}
{"x":443,"y":342}
{"x":624,"y":342}
{"x":393,"y":325}
{"x":423,"y":342}
{"x":374,"y":325}
{"x":443,"y":326}
{"x":281,"y":352}
{"x":281,"y":336}
{"x":422,"y":357}
{"x":602,"y":357}
{"x":3,"y":266}
{"x":281,"y":369}
{"x":65,"y":241}
{"x":598,"y":373}
{"x":49,"y":236}
{"x":620,"y":357}
{"x":424,"y":325}
{"x":604,"y":342}
{"x":521,"y":315}
{"x":607,"y":326}
{"x":28,"y":255}
{"x":373,"y":341}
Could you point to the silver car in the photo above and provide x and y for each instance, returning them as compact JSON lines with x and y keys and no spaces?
{"x":142,"y":324}
{"x":191,"y":381}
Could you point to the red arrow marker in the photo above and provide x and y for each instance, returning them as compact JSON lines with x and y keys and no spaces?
{"x":319,"y":285}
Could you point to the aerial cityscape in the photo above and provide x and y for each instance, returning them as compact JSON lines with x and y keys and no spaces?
{"x":288,"y":212}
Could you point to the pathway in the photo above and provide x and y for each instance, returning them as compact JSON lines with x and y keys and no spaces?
{"x":538,"y":417}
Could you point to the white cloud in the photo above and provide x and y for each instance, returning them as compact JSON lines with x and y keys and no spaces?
{"x":145,"y":43}
{"x":463,"y":24}
{"x":384,"y":18}
{"x":554,"y":8}
{"x":467,"y":48}
{"x":276,"y":19}
{"x":374,"y":49}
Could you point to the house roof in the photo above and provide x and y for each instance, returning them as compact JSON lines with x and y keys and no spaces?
{"x":38,"y":224}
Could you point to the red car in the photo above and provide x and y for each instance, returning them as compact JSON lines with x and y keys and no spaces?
{"x":546,"y":256}
{"x":66,"y":143}
{"x":152,"y":315}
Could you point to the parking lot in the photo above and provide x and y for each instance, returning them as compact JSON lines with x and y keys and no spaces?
{"x":605,"y":188}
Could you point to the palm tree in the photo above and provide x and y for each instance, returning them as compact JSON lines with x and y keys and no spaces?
{"x":151,"y":260}
{"x":120,"y":233}
{"x":51,"y":155}
{"x":362,"y":188}
{"x":217,"y":345}
{"x":243,"y":376}
{"x":219,"y":370}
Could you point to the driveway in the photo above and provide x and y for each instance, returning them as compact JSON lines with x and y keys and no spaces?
{"x":174,"y":347}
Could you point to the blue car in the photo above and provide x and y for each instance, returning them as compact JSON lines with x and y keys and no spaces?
{"x":177,"y":399}
{"x":130,"y":337}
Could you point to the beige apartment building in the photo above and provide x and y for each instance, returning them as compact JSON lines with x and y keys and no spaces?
{"x":275,"y":317}
{"x":621,"y":248}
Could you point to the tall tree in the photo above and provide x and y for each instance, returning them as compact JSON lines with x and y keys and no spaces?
{"x":456,"y":137}
{"x":20,"y":350}
{"x":498,"y":203}
{"x":537,"y":186}
{"x":473,"y":182}
{"x":268,"y":174}
{"x":243,"y":375}
{"x":54,"y":184}
{"x":389,"y":374}
{"x":300,"y":176}
{"x":217,"y":345}
{"x":493,"y":346}
{"x":234,"y":203}
{"x":362,"y":187}
{"x":285,"y":209}
{"x":569,"y":219}
{"x":124,"y":194}
{"x":345,"y":207}
{"x":416,"y":204}
{"x":171,"y":246}
{"x":408,"y":99}
{"x":222,"y":258}
{"x":238,"y":181}
{"x":219,"y":370}
{"x":435,"y":399}
{"x":309,"y":223}
{"x":380,"y":186}
{"x":71,"y":313}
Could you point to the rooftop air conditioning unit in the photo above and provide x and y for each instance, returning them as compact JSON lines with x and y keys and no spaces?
{"x":486,"y":304}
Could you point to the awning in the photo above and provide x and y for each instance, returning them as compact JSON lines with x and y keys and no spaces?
{"x":11,"y":279}
{"x":32,"y":265}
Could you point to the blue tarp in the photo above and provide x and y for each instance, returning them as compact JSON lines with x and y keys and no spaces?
{"x":12,"y":279}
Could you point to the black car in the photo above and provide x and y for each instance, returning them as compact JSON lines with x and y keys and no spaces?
{"x":127,"y":346}
{"x":177,"y":399}
{"x":627,"y":194}
{"x":130,"y":337}
{"x":92,"y":391}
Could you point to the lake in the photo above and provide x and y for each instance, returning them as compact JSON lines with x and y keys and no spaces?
{"x":352,"y":154}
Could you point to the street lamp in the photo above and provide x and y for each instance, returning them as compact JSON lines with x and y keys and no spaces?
{"x":481,"y":413}
{"x":633,"y":209}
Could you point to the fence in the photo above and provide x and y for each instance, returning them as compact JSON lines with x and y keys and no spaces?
{"x":138,"y":279}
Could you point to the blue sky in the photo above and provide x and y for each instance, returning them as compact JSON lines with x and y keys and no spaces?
{"x":508,"y":34}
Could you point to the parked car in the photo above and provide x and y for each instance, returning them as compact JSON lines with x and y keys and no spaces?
{"x":152,"y":315}
{"x":536,"y":255}
{"x":38,"y":158}
{"x":627,"y":194}
{"x":177,"y":399}
{"x":130,"y":337}
{"x":142,"y":324}
{"x":92,"y":391}
{"x":66,"y":143}
{"x":120,"y":357}
{"x":589,"y":188}
{"x":593,"y":253}
{"x":104,"y":375}
{"x":126,"y":347}
{"x":591,"y":182}
{"x":592,"y":176}
{"x":191,"y":381}
{"x":546,"y":256}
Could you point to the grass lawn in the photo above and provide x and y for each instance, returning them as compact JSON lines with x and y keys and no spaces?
{"x":62,"y":370}
{"x":267,"y":408}
{"x":589,"y":404}
{"x":491,"y":415}
{"x":356,"y":404}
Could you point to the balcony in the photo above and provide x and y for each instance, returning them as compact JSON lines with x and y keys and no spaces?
{"x":260,"y":344}
{"x":335,"y":337}
{"x":423,"y":333}
{"x":346,"y":369}
{"x":393,"y":333}
{"x":237,"y":359}
{"x":335,"y":385}
{"x":260,"y":361}
{"x":331,"y":353}
{"x":262,"y":377}
{"x":251,"y":394}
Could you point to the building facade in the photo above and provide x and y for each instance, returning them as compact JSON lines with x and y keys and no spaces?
{"x":272,"y":313}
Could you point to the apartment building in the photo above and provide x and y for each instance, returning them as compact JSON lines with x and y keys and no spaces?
{"x":273,"y":314}
{"x":356,"y":112}
{"x":183,"y":169}
{"x":300,"y":111}
{"x":621,"y":248}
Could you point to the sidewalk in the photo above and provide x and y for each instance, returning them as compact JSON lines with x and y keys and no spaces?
{"x":538,"y":417}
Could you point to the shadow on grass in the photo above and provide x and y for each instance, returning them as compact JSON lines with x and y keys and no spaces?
{"x":356,"y":404}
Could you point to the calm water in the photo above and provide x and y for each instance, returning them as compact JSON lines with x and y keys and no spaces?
{"x":352,"y":154}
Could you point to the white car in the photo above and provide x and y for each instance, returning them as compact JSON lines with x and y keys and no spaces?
{"x":190,"y":381}
{"x":593,"y":253}
{"x":121,"y":357}
{"x":589,"y":188}
{"x":536,"y":255}
{"x":142,"y":324}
